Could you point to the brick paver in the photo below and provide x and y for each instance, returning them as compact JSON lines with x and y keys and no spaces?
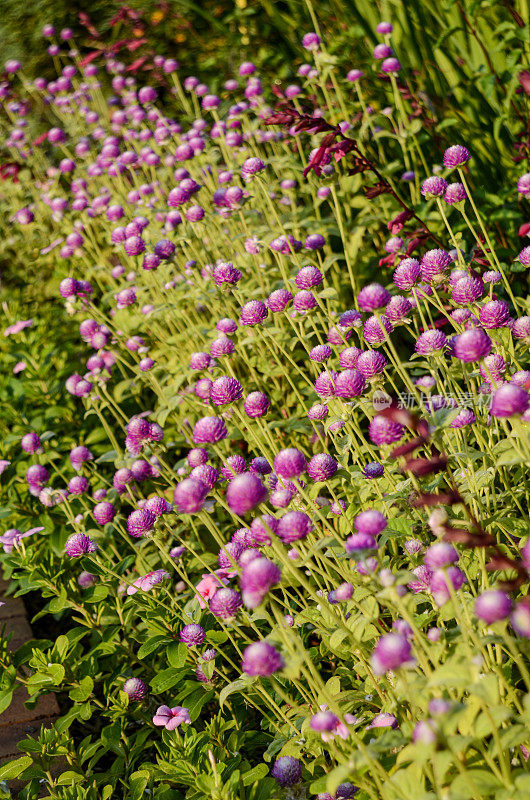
{"x":18,"y":721}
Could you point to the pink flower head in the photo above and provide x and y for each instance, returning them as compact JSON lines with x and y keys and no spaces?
{"x":207,"y":587}
{"x":171,"y":718}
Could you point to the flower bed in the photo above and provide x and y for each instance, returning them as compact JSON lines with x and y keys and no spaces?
{"x":265,"y":451}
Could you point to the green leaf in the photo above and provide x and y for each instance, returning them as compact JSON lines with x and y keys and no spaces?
{"x":165,"y":679}
{"x":236,"y":686}
{"x":474,"y":783}
{"x":176,"y":654}
{"x":15,"y":768}
{"x":83,"y":691}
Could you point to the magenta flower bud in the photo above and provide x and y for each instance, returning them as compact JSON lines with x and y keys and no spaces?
{"x":304,"y":301}
{"x":245,"y":492}
{"x":521,"y":328}
{"x":157,"y":506}
{"x":226,"y":273}
{"x":78,"y":485}
{"x":260,"y":466}
{"x":472,"y":345}
{"x":79,"y":455}
{"x":134,"y":245}
{"x":256,"y":404}
{"x":209,"y":430}
{"x":252,"y":166}
{"x":360,"y":541}
{"x":135,"y":689}
{"x":349,"y":383}
{"x":294,"y":525}
{"x":390,"y":65}
{"x":456,"y":155}
{"x":189,"y":495}
{"x":493,"y":606}
{"x":30,"y":442}
{"x":376,"y":330}
{"x":140,"y":522}
{"x":206,"y":474}
{"x":324,"y":721}
{"x":467,"y":290}
{"x":234,"y":465}
{"x":372,"y":297}
{"x":494,"y":314}
{"x":455,"y":193}
{"x":440,"y":554}
{"x":369,"y":363}
{"x":434,"y":263}
{"x":434,"y":186}
{"x":194,"y":213}
{"x":382,"y":51}
{"x":384,"y":431}
{"x":465,"y":417}
{"x":321,"y":467}
{"x":398,"y":308}
{"x":86,"y":579}
{"x":520,"y":618}
{"x":253,"y":313}
{"x":508,"y":400}
{"x":430,"y":341}
{"x":318,"y":412}
{"x":371,"y":522}
{"x":307,"y":277}
{"x":262,"y":527}
{"x":290,"y":463}
{"x":37,"y":475}
{"x":391,"y":652}
{"x":325,"y":384}
{"x":225,"y":603}
{"x":104,"y":512}
{"x":192,"y":635}
{"x":225,"y":390}
{"x":261,"y":658}
{"x":442,"y":580}
{"x":311,"y":41}
{"x":287,"y":770}
{"x":79,"y":544}
{"x":138,"y":427}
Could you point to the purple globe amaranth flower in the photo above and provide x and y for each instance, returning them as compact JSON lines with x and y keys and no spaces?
{"x":79,"y":545}
{"x":225,"y":603}
{"x":287,"y":770}
{"x":304,"y":301}
{"x":434,"y":263}
{"x":324,"y":721}
{"x":135,"y":688}
{"x":258,"y":576}
{"x":320,"y":353}
{"x":307,"y":277}
{"x":311,"y":41}
{"x":104,"y":512}
{"x":234,"y":465}
{"x":189,"y":495}
{"x":456,"y":155}
{"x":494,"y":314}
{"x":394,"y":244}
{"x":384,"y":431}
{"x":359,"y":542}
{"x":325,"y":383}
{"x":206,"y":474}
{"x":381,"y":51}
{"x":467,"y":289}
{"x":252,"y":166}
{"x":377,"y":329}
{"x":226,"y":273}
{"x":245,"y":492}
{"x":523,"y":184}
{"x":398,"y":308}
{"x":373,"y":470}
{"x":441,"y":582}
{"x":318,"y":412}
{"x":294,"y":525}
{"x":321,"y":467}
{"x":369,"y":363}
{"x":78,"y":485}
{"x":350,"y":319}
{"x":209,"y":430}
{"x":140,"y":522}
{"x":372,"y":297}
{"x":290,"y":463}
{"x":371,"y":522}
{"x":279,"y":300}
{"x":222,"y":346}
{"x":520,"y":618}
{"x":492,"y":606}
{"x":391,"y":65}
{"x":521,"y":328}
{"x":256,"y":404}
{"x":391,"y":652}
{"x":261,"y":658}
{"x":455,"y":193}
{"x":406,"y":273}
{"x":30,"y":442}
{"x":348,"y":357}
{"x":37,"y":475}
{"x":260,"y":466}
{"x":434,"y":186}
{"x":508,"y":400}
{"x":349,"y":383}
{"x":79,"y":455}
{"x":315,"y":241}
{"x":134,"y":245}
{"x":262,"y":527}
{"x":225,"y":390}
{"x":253,"y":313}
{"x":464,"y":417}
{"x":430,"y":341}
{"x":226,"y":326}
{"x":229,"y":555}
{"x":158,"y":506}
{"x":472,"y":345}
{"x":440,"y":554}
{"x":192,"y":635}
